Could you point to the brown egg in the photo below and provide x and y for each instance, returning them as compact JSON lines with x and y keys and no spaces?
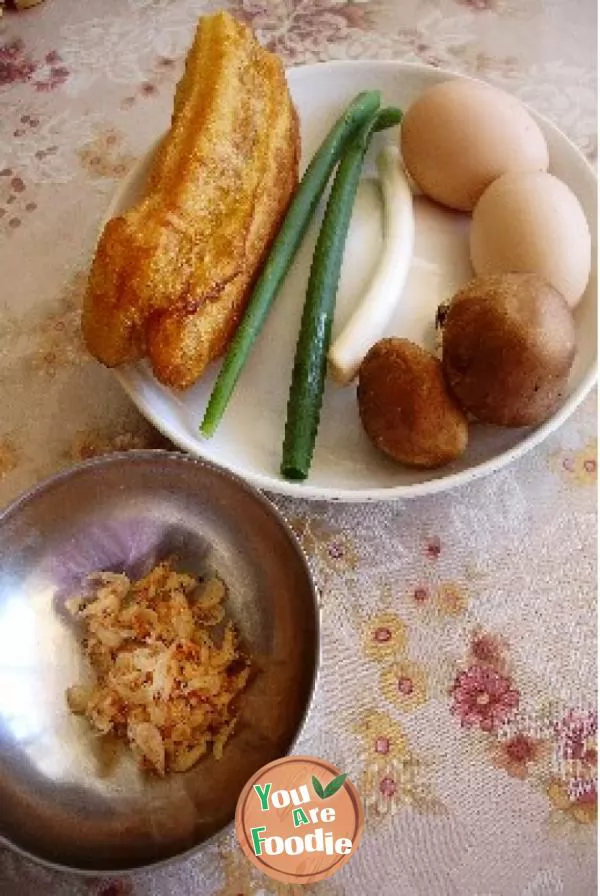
{"x":461,"y":135}
{"x":532,"y":221}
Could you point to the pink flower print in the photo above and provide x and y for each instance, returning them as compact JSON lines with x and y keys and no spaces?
{"x":433,"y":548}
{"x":382,"y":745}
{"x":518,"y":754}
{"x":483,"y":697}
{"x":384,"y":635}
{"x":578,"y":468}
{"x":116,"y":888}
{"x":487,"y":650}
{"x":335,"y":550}
{"x":289,"y":27}
{"x":405,"y":686}
{"x":383,"y":737}
{"x":577,"y":733}
{"x":580,"y":804}
{"x":404,"y":683}
{"x":15,"y":66}
{"x":55,"y":73}
{"x":387,"y":786}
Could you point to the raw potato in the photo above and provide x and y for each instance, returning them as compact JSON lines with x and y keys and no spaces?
{"x":405,"y":406}
{"x":532,"y":221}
{"x":508,"y":347}
{"x":461,"y":135}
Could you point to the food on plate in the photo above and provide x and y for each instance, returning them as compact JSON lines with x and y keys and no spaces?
{"x":460,"y":135}
{"x":171,"y":276}
{"x":507,"y":348}
{"x":369,"y":320}
{"x":406,"y":408}
{"x":283,"y":251}
{"x":162,"y":683}
{"x":532,"y":221}
{"x":310,"y":362}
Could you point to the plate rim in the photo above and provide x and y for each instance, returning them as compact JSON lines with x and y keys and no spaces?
{"x":279,"y":486}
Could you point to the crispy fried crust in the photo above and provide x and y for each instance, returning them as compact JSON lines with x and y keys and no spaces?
{"x":171,"y":277}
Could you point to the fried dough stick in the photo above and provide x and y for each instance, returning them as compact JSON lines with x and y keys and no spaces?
{"x":181,"y":344}
{"x":172,"y":275}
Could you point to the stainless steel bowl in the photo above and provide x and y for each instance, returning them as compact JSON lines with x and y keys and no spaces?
{"x":64,"y":798}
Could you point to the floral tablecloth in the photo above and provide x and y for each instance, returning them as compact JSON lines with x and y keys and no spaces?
{"x":459,"y":682}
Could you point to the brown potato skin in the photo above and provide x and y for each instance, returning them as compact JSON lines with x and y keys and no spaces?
{"x":508,"y":347}
{"x":406,"y":408}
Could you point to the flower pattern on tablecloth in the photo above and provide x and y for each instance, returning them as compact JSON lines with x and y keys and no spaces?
{"x":576,"y":736}
{"x":439,"y":601}
{"x":59,"y":343}
{"x":404,"y":683}
{"x":581,"y":808}
{"x":295,"y":27}
{"x":119,"y":887}
{"x":164,"y":73}
{"x":17,"y":201}
{"x":558,"y":752}
{"x":506,"y":8}
{"x":42,"y":149}
{"x":518,"y":753}
{"x":458,"y":630}
{"x":18,"y":67}
{"x":564,"y":93}
{"x":394,"y":777}
{"x":50,"y":342}
{"x":383,"y":738}
{"x":487,"y":650}
{"x":483,"y":697}
{"x":579,"y":467}
{"x":330,"y":551}
{"x":384,"y":636}
{"x":451,"y":599}
{"x":104,"y":156}
{"x":122,"y":49}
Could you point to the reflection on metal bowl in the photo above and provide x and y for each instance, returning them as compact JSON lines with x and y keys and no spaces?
{"x":68,"y":797}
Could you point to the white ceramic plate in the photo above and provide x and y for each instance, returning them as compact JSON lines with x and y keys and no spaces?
{"x":345,"y":466}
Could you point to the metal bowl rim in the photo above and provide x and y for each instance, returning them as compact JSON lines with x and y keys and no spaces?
{"x":131,"y":456}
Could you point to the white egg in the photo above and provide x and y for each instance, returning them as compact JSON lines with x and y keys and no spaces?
{"x":531,"y":221}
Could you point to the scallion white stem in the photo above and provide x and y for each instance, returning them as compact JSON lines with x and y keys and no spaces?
{"x":373,"y":314}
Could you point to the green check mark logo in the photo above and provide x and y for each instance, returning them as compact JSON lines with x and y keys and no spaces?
{"x":334,"y":785}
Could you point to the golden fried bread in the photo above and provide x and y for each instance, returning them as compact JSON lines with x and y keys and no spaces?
{"x":171,"y":277}
{"x":181,"y":344}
